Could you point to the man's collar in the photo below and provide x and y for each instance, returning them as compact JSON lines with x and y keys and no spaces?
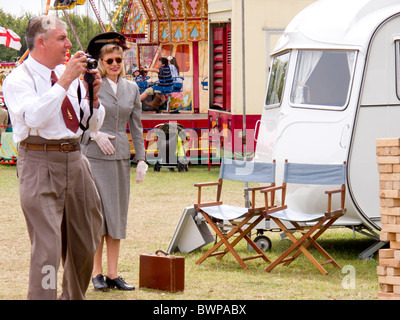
{"x":39,"y":68}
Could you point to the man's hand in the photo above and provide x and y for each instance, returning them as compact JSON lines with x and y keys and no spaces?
{"x":97,"y":83}
{"x":74,"y":68}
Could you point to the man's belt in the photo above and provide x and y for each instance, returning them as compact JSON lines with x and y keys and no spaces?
{"x":63,"y":147}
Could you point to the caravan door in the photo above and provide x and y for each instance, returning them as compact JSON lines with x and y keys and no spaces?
{"x":309,"y":114}
{"x":270,"y":115}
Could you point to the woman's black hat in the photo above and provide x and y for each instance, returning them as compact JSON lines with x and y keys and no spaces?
{"x":102,"y":39}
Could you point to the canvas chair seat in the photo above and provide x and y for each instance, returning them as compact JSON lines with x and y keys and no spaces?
{"x":310,"y":226}
{"x":296,"y":216}
{"x":225,"y":212}
{"x":241,"y":220}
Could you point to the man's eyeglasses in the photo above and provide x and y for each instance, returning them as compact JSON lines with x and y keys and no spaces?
{"x":110,"y":61}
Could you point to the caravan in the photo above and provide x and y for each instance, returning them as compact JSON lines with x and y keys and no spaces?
{"x":334,"y":88}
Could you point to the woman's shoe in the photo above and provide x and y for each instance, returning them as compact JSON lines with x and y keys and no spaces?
{"x":118,"y":283}
{"x":99,"y":283}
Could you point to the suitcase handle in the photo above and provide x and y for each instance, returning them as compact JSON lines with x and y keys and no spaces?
{"x":162,"y":251}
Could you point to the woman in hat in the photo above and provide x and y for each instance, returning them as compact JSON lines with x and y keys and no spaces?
{"x":108,"y":151}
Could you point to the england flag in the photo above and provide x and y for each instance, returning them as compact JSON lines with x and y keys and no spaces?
{"x":10,"y":39}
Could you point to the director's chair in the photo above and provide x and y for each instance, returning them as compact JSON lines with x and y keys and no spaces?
{"x":309,"y":225}
{"x":242,"y":220}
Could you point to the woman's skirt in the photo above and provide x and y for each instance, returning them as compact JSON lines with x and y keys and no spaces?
{"x":112,"y":179}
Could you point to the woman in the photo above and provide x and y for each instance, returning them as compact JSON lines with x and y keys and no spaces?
{"x":108,"y":152}
{"x":173,"y":65}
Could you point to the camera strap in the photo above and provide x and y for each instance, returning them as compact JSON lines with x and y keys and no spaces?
{"x":90,"y":105}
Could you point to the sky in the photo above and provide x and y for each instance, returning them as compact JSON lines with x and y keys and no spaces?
{"x":18,"y":7}
{"x":36,"y":7}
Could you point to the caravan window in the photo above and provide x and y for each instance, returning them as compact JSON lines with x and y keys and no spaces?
{"x":323,"y":78}
{"x":277,"y":79}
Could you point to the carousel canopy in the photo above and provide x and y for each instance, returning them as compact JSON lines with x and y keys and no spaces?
{"x":166,"y":20}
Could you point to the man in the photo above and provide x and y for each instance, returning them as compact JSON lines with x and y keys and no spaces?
{"x":57,"y":191}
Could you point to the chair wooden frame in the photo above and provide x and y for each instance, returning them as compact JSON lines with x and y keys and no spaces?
{"x":308,"y":235}
{"x":241,"y":227}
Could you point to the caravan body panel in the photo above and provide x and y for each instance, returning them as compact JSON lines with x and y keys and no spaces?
{"x":333,"y":98}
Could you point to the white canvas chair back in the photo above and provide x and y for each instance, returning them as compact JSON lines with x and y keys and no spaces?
{"x":247,"y":171}
{"x":321,"y":174}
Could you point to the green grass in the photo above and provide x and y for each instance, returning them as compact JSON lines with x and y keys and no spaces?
{"x":156,"y":206}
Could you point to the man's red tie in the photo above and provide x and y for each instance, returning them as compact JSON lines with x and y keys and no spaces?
{"x":68,"y":112}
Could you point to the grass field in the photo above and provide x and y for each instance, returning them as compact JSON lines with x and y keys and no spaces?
{"x":155,"y":208}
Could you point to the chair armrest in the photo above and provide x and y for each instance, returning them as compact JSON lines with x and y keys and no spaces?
{"x":207,"y":204}
{"x":206,"y":184}
{"x":253,"y":197}
{"x":255,"y":188}
{"x":253,"y":193}
{"x":269,"y":189}
{"x":272,"y":190}
{"x":336,"y":212}
{"x":333,"y":191}
{"x":342,"y":192}
{"x":274,"y":209}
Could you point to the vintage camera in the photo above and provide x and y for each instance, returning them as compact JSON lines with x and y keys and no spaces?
{"x":91,"y":62}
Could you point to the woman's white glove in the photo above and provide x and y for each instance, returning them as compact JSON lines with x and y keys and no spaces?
{"x":141,"y":169}
{"x":103,"y":141}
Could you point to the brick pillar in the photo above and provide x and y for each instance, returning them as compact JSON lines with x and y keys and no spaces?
{"x":388,"y":158}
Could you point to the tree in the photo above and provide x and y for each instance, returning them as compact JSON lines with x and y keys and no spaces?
{"x":18,"y":25}
{"x":84,"y":26}
{"x":120,"y":19}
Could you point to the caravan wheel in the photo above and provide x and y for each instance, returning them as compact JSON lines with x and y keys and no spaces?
{"x":263,"y":242}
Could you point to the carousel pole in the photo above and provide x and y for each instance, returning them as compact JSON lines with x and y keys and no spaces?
{"x":111,"y":25}
{"x":116,"y":14}
{"x":97,"y":15}
{"x":244,"y":135}
{"x":73,"y":29}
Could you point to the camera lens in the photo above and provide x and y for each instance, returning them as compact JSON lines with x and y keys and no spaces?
{"x":91,"y":63}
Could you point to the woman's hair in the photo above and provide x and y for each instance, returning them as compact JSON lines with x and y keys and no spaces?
{"x":109,"y":48}
{"x":38,"y":27}
{"x":173,"y":62}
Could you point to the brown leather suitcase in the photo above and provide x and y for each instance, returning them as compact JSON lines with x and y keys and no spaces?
{"x":162,"y":272}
